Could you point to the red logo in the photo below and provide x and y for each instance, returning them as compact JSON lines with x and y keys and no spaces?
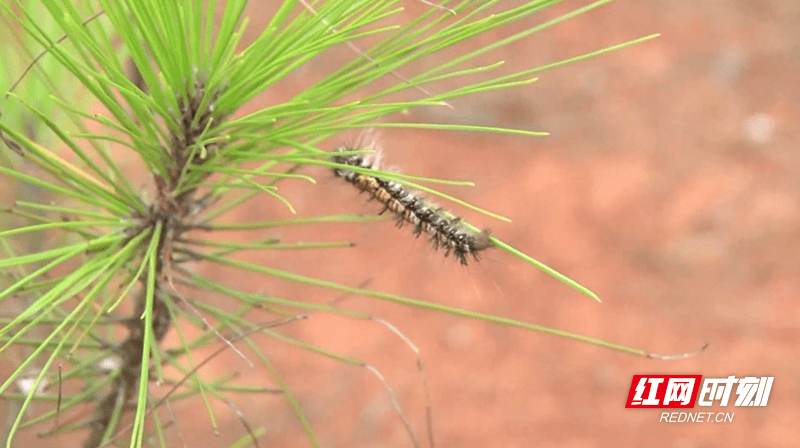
{"x":663,"y":391}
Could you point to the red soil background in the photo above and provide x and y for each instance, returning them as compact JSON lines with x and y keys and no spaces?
{"x":668,"y":186}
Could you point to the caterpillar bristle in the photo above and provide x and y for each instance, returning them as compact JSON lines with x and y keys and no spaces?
{"x":450,"y":234}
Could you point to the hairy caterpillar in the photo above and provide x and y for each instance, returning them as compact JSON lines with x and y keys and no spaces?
{"x":410,"y":208}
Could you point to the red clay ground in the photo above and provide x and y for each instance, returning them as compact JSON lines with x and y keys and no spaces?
{"x":668,"y":186}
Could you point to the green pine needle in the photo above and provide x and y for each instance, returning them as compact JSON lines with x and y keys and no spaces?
{"x":164,"y":85}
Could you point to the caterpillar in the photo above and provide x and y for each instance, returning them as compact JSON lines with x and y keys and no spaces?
{"x":449,"y":234}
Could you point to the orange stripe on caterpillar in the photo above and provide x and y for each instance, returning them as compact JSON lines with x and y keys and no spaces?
{"x":449,"y":234}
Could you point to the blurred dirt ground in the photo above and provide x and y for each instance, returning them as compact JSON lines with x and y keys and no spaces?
{"x":668,"y":186}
